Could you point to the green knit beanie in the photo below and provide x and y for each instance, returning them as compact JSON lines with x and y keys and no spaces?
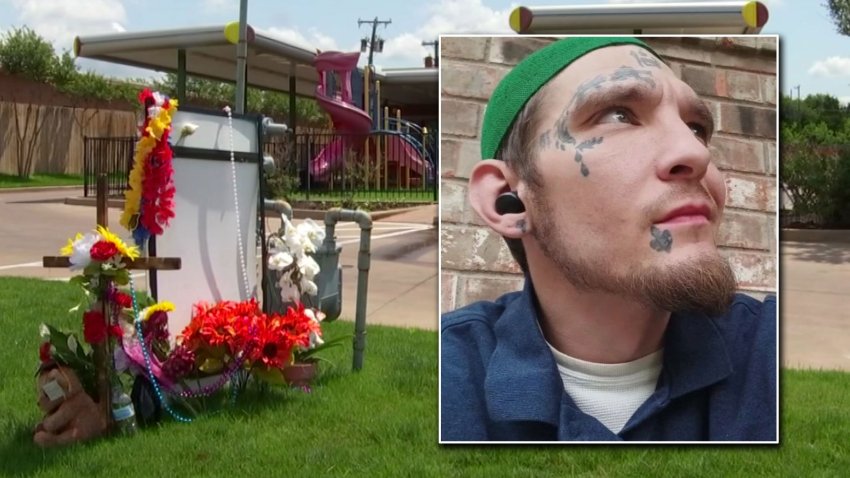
{"x":521,"y":83}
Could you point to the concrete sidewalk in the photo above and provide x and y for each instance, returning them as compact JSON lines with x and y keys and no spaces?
{"x":815,"y":317}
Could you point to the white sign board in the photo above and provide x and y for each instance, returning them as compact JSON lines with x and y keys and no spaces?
{"x":204,"y":232}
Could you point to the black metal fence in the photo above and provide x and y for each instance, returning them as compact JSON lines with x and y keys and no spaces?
{"x":110,"y":156}
{"x":381,"y":166}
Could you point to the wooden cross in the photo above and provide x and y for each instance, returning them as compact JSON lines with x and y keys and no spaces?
{"x":102,"y":352}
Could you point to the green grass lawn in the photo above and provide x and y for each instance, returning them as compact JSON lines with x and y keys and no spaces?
{"x":381,"y":421}
{"x":40,"y":180}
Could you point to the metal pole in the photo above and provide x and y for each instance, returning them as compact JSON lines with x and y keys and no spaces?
{"x":181,"y":76}
{"x":241,"y":56}
{"x":293,"y":106}
{"x":436,"y":44}
{"x":372,"y":41}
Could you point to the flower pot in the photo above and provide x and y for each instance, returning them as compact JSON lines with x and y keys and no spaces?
{"x":300,"y":374}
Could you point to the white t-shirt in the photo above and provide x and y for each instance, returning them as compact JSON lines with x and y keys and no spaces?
{"x":611,"y":393}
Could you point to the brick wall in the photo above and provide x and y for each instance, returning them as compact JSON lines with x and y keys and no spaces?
{"x":735,"y":76}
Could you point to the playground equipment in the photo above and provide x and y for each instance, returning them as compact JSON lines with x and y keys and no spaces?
{"x":728,"y":17}
{"x":395,"y":149}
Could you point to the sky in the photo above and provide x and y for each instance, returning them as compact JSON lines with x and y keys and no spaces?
{"x":812,"y":54}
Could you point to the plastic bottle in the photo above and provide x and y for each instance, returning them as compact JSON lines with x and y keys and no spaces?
{"x":123,"y":413}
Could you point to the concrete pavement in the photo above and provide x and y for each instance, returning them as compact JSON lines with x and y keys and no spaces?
{"x":402,"y":278}
{"x":815,"y":317}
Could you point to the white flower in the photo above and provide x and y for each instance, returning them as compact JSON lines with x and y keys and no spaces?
{"x":308,"y":247}
{"x":158,"y":98}
{"x":288,"y":291}
{"x":309,"y":287}
{"x":312,"y":231}
{"x":315,"y":315}
{"x":315,"y":340}
{"x":44,"y":332}
{"x":72,"y":343}
{"x":308,"y":267}
{"x":188,"y":128}
{"x":280,"y":261}
{"x":81,"y":251}
{"x":293,"y":242}
{"x":276,"y":245}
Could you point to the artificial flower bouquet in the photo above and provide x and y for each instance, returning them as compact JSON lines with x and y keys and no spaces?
{"x":290,"y":259}
{"x":101,"y":257}
{"x":221,"y":340}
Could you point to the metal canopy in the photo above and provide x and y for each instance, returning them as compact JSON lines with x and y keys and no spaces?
{"x":270,"y":61}
{"x":208,"y":54}
{"x":410,"y":86}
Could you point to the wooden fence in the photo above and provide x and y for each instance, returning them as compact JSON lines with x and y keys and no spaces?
{"x":51,"y":137}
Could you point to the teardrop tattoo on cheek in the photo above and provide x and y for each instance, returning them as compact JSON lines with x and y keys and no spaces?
{"x":560,"y":136}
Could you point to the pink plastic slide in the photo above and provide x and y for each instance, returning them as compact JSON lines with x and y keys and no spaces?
{"x":348,"y":119}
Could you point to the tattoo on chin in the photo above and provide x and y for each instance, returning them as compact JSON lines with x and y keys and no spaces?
{"x":521,"y":225}
{"x":661,"y":241}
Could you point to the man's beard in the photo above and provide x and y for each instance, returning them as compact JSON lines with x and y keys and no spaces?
{"x":705,"y":284}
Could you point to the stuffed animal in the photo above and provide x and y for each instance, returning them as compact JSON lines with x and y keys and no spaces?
{"x":70,"y":413}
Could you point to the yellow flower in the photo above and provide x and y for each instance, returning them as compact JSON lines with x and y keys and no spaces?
{"x":69,"y":248}
{"x":130,"y":252}
{"x":164,"y":306}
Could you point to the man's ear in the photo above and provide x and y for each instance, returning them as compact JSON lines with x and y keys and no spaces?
{"x":490,"y":179}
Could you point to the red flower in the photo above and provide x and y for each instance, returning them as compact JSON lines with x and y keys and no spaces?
{"x":94,"y":327}
{"x":116,"y":331}
{"x":44,"y":352}
{"x":122,"y":299}
{"x":103,"y":250}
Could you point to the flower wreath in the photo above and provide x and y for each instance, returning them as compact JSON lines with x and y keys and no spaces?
{"x":149,"y":201}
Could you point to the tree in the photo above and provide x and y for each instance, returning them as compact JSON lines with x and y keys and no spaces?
{"x":839,"y":10}
{"x":24,"y":53}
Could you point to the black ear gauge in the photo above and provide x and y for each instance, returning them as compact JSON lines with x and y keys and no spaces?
{"x":509,"y":203}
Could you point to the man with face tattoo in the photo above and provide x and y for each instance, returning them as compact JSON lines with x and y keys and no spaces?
{"x":596,"y":171}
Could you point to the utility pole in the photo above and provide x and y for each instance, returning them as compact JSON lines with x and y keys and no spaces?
{"x":374,"y":41}
{"x":436,"y":45}
{"x":799,"y":106}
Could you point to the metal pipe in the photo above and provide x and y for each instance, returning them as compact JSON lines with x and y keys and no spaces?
{"x":241,"y":57}
{"x":364,"y":220}
{"x":278,"y":206}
